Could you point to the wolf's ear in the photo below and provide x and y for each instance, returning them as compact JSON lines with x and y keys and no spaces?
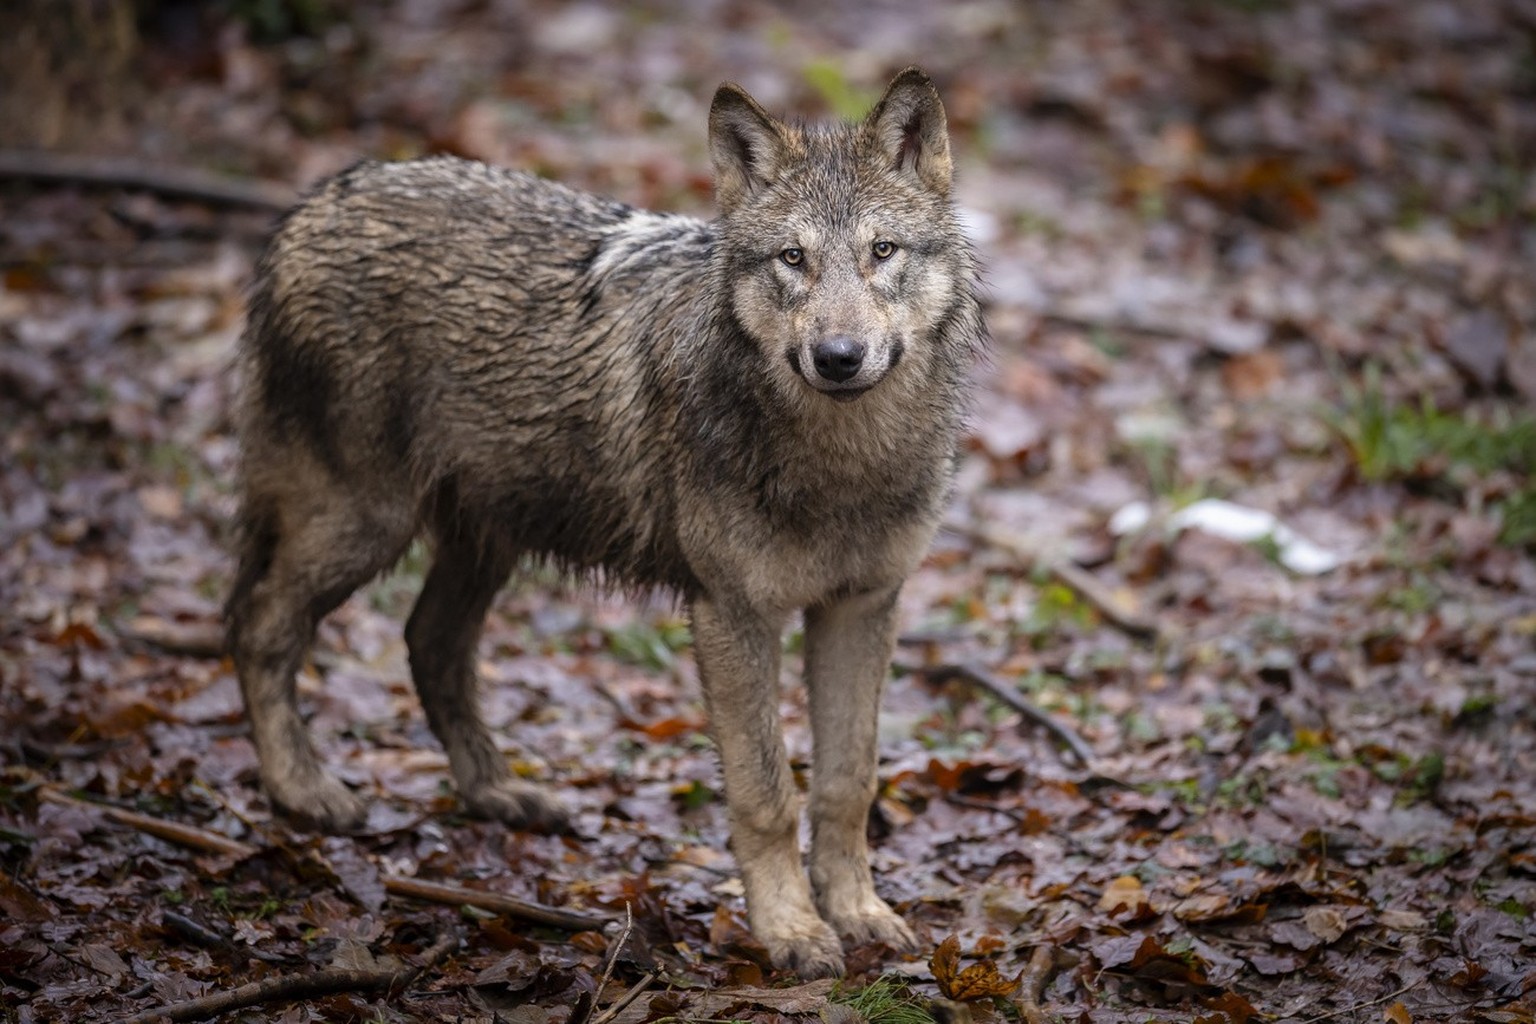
{"x":749,"y":148}
{"x":909,"y":128}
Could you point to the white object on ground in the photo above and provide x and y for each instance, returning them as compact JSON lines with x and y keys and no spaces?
{"x":1238,"y":523}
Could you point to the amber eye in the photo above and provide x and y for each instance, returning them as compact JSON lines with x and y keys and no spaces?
{"x":883,"y":250}
{"x":792,"y":257}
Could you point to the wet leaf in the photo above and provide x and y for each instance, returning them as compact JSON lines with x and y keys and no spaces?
{"x":978,"y":981}
{"x":1124,"y":897}
{"x":1327,"y":923}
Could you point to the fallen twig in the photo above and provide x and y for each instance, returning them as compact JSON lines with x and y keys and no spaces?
{"x":635,"y":991}
{"x":971,"y":803}
{"x":1079,"y":580}
{"x":1120,"y":325}
{"x":194,"y":931}
{"x":114,"y":172}
{"x":195,"y":639}
{"x":1355,"y":1007}
{"x":1032,"y":984}
{"x":396,"y":885}
{"x":171,"y":831}
{"x":294,"y":987}
{"x":201,"y":935}
{"x":614,"y":949}
{"x":1063,"y":734}
{"x":456,"y":895}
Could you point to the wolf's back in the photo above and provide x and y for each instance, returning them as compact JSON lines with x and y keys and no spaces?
{"x":441,"y":323}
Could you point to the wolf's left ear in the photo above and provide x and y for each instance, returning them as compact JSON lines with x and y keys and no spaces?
{"x":909,"y":128}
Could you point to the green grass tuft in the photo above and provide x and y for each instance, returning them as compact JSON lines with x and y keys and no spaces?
{"x":887,"y":1000}
{"x":1391,"y":441}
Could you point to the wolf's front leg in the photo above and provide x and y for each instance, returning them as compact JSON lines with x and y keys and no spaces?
{"x":847,"y":653}
{"x":738,"y":655}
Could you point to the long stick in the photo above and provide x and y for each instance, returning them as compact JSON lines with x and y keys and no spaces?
{"x":111,"y":172}
{"x":457,"y":895}
{"x":1033,"y":984}
{"x":635,"y":992}
{"x":293,"y":987}
{"x":171,"y":831}
{"x":1080,"y":581}
{"x":1356,"y":1007}
{"x":980,"y":677}
{"x":398,"y":885}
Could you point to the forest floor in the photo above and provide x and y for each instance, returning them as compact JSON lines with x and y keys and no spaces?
{"x":1261,"y":282}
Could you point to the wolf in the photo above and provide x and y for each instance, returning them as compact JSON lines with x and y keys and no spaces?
{"x":759,"y":413}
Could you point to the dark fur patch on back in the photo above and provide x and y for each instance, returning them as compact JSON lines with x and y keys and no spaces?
{"x":297,"y":392}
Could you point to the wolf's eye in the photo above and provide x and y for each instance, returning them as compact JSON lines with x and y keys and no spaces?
{"x":883,"y":250}
{"x":792,"y":257}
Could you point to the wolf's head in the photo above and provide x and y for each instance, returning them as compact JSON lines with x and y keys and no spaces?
{"x":840,"y":248}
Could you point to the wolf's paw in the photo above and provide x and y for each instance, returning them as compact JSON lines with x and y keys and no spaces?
{"x":519,"y":805}
{"x":809,"y":947}
{"x":317,"y":799}
{"x":871,"y":919}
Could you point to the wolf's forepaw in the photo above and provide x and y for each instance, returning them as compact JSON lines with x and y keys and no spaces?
{"x":872,"y":920}
{"x":317,"y":799}
{"x":810,"y":948}
{"x":519,"y":805}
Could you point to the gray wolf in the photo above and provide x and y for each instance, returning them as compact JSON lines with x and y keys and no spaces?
{"x":759,"y":413}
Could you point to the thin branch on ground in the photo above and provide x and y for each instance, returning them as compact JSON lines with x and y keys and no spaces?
{"x":194,"y":639}
{"x":201,"y":935}
{"x":290,"y":988}
{"x":973,"y":804}
{"x":115,"y":172}
{"x":979,"y":677}
{"x":1119,"y":325}
{"x":498,"y":903}
{"x":396,"y":885}
{"x":614,"y":949}
{"x":1032,"y":985}
{"x":635,"y":992}
{"x":1082,"y":582}
{"x":175,"y":832}
{"x":1353,"y":1007}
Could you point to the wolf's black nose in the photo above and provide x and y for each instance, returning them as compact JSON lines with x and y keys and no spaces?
{"x":838,"y":358}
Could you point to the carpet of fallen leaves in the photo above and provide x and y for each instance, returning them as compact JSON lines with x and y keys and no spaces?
{"x":1261,"y":277}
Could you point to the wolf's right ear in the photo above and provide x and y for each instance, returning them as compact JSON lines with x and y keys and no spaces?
{"x":748,"y":147}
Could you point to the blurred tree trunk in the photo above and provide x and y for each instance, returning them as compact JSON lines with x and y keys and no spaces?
{"x":66,"y":71}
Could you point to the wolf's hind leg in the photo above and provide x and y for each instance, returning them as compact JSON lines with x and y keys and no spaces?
{"x":442,"y":634}
{"x":847,"y":654}
{"x":301,"y":556}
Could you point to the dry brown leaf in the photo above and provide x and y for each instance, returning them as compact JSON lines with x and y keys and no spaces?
{"x":1327,"y":923}
{"x":1124,"y":894}
{"x":1397,"y":1013}
{"x":945,"y":962}
{"x":1252,"y":374}
{"x":667,"y":728}
{"x":978,"y":981}
{"x":1402,"y":920}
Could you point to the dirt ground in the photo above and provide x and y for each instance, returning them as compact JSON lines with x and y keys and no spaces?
{"x":1249,"y":508}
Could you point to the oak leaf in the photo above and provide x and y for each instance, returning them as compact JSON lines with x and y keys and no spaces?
{"x":978,"y":981}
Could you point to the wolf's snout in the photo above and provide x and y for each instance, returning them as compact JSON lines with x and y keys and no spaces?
{"x":838,"y":358}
